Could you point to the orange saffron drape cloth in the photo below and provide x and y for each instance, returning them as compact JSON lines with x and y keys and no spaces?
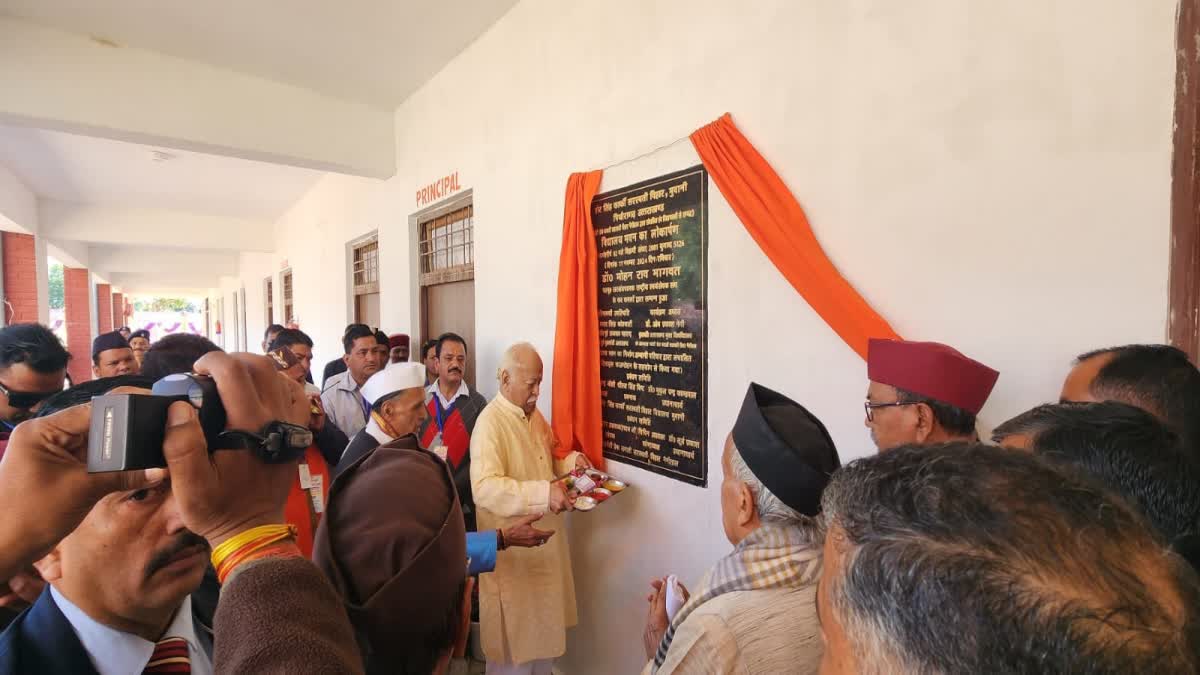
{"x":576,"y":405}
{"x":775,"y":220}
{"x":770,"y":214}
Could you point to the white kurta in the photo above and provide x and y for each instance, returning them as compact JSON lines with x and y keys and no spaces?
{"x":527,"y":604}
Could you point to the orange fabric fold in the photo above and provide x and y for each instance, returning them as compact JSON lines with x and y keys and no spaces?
{"x":776,"y":221}
{"x":576,"y":403}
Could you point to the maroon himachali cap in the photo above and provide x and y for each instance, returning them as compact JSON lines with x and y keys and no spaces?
{"x":931,"y":369}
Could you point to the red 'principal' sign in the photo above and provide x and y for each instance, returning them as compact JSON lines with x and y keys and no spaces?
{"x":442,"y":187}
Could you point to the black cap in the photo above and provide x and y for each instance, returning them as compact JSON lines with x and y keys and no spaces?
{"x":107,"y":341}
{"x":140,"y":333}
{"x":786,"y":447}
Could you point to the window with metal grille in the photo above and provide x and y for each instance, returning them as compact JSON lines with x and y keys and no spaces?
{"x":270,"y":292}
{"x":366,"y":266}
{"x":447,"y":247}
{"x":286,"y":280}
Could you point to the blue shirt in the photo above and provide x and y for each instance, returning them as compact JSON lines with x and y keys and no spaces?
{"x":481,"y":552}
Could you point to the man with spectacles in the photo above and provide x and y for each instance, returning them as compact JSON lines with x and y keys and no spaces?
{"x":923,"y":393}
{"x":33,"y":367}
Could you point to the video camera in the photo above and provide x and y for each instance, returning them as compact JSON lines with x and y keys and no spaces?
{"x":127,"y":430}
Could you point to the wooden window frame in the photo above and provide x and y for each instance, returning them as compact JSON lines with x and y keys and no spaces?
{"x":436,"y":239}
{"x":364,"y":265}
{"x":269,"y":294}
{"x":287,"y":286}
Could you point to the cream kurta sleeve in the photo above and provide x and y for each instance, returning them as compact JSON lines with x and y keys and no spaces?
{"x":490,"y":484}
{"x":702,"y":645}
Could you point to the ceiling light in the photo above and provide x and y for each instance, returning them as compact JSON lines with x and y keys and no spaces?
{"x":160,"y":156}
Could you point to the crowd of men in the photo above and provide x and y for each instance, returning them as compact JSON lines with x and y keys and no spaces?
{"x":1069,"y":544}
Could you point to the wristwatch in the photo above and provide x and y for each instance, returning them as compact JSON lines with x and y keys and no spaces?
{"x":277,"y":443}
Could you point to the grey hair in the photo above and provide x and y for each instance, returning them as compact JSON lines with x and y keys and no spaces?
{"x":509,"y":360}
{"x":968,"y":558}
{"x":769,"y":507}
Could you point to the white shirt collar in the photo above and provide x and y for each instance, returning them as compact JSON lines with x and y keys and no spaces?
{"x":113,"y":652}
{"x":463,"y":390}
{"x":377,"y":432}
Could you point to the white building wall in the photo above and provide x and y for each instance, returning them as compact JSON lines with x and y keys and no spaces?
{"x":18,"y":204}
{"x":254,"y":269}
{"x":992,"y":175}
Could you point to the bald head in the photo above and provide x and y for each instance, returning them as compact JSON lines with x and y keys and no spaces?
{"x":520,"y":376}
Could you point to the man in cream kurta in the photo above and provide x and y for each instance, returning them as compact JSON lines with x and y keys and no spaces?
{"x":527,"y":604}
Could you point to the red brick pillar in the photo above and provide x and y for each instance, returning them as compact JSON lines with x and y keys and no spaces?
{"x":118,"y":310}
{"x":77,"y":297}
{"x":104,"y":307}
{"x":20,"y":278}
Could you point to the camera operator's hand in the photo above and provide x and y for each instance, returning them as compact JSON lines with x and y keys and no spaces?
{"x":229,"y":491}
{"x":253,"y":393}
{"x":45,"y":489}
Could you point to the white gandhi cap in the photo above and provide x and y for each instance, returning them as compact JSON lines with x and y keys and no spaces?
{"x":397,"y":377}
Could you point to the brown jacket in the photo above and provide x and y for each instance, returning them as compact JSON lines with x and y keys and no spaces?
{"x":282,"y":616}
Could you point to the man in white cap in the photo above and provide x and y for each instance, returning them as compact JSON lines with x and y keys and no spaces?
{"x":397,"y":398}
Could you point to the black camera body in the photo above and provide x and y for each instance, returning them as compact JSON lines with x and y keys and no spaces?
{"x":127,"y":430}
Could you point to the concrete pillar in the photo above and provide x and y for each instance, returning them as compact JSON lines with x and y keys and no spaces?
{"x":77,"y":298}
{"x":104,"y":307}
{"x":20,"y":278}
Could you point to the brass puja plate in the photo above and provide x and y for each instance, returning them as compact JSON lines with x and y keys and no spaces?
{"x":605,"y":488}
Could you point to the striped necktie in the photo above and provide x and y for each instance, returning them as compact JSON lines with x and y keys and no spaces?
{"x":170,"y":656}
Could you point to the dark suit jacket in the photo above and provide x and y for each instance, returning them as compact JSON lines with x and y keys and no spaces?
{"x":360,"y":445}
{"x":41,"y":640}
{"x":332,"y":442}
{"x":468,"y":408}
{"x":334,"y":367}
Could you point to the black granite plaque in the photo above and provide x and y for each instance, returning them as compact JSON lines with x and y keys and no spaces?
{"x":652,"y":244}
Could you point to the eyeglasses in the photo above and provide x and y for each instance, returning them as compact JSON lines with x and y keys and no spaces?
{"x":870,"y":407}
{"x":24,"y":399}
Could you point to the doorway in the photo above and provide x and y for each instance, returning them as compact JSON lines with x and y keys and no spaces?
{"x":446,"y":253}
{"x":450,"y":308}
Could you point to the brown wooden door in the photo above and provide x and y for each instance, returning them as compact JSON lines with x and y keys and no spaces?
{"x":1183,"y":319}
{"x":450,"y":308}
{"x":366,"y":310}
